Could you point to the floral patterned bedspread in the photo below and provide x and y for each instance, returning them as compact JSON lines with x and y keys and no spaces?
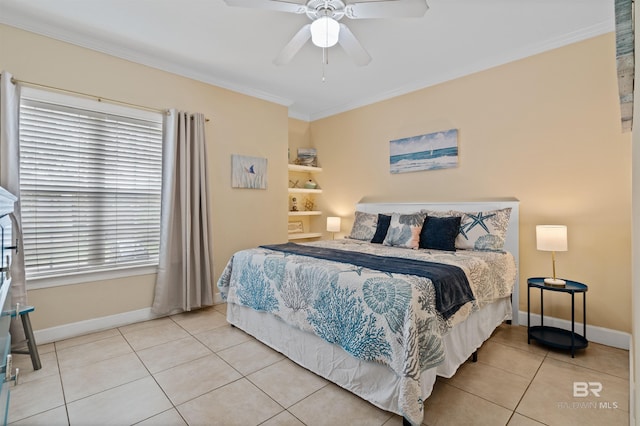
{"x":373,"y":315}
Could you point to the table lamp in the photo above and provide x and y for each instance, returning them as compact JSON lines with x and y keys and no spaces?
{"x":552,"y":238}
{"x":333,"y":225}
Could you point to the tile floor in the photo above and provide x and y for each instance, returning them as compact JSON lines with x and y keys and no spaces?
{"x":195,"y":369}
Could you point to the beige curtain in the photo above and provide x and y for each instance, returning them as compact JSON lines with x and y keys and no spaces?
{"x":185,"y":273}
{"x":10,"y":180}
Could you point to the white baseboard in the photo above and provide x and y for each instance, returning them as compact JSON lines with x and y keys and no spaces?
{"x":66,"y":331}
{"x":604,"y":336}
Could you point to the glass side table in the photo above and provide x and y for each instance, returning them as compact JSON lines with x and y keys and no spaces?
{"x":554,"y":336}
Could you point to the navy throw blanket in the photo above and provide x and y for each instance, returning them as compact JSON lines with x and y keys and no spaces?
{"x":450,"y":282}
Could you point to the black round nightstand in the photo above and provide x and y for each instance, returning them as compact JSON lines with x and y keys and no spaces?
{"x":554,"y":336}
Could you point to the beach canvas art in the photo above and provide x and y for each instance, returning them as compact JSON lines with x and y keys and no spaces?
{"x":248,"y":172}
{"x":431,"y":151}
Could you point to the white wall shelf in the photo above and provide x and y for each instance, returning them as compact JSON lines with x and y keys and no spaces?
{"x":309,"y":219}
{"x":304,"y":169}
{"x":306,"y":213}
{"x":304,"y":191}
{"x":303,"y":235}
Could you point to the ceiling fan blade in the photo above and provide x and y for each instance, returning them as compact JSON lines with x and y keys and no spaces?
{"x":295,"y":44}
{"x":352,"y":46}
{"x":387,"y":9}
{"x":280,"y":6}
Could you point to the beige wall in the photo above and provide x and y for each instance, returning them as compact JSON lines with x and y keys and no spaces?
{"x":238,"y":124}
{"x":545,"y":130}
{"x":634,"y":356}
{"x":299,"y":137}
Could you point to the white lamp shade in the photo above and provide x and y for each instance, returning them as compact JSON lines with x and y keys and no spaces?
{"x":333,"y":224}
{"x":325,"y":31}
{"x":551,"y":237}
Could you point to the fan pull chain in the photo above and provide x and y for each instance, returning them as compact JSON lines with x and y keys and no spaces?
{"x":325,"y":61}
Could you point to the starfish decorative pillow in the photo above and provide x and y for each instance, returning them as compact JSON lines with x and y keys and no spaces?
{"x":482,"y":230}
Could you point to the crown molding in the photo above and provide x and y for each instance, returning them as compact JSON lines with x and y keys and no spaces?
{"x":36,"y":25}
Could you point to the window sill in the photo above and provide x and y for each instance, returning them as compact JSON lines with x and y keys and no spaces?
{"x":87,"y":277}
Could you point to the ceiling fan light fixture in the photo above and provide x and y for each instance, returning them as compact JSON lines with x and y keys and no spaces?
{"x":325,"y":32}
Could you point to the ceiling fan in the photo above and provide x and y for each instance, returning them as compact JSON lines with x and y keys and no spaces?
{"x":325,"y":30}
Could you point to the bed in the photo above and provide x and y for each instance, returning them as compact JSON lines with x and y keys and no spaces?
{"x":383,"y":320}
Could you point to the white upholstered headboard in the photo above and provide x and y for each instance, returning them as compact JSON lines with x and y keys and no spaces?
{"x":511,"y":240}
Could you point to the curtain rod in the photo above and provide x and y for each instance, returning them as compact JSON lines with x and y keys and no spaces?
{"x":98,"y":98}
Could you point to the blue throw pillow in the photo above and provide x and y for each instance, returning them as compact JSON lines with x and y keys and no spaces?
{"x":439,"y":233}
{"x":381,"y":228}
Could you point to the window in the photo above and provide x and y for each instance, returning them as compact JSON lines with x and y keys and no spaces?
{"x":90,"y":183}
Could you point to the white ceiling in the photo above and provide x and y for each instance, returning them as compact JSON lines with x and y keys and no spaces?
{"x":234,"y":47}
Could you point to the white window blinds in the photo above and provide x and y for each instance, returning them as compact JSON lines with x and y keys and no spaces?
{"x":90,"y":182}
